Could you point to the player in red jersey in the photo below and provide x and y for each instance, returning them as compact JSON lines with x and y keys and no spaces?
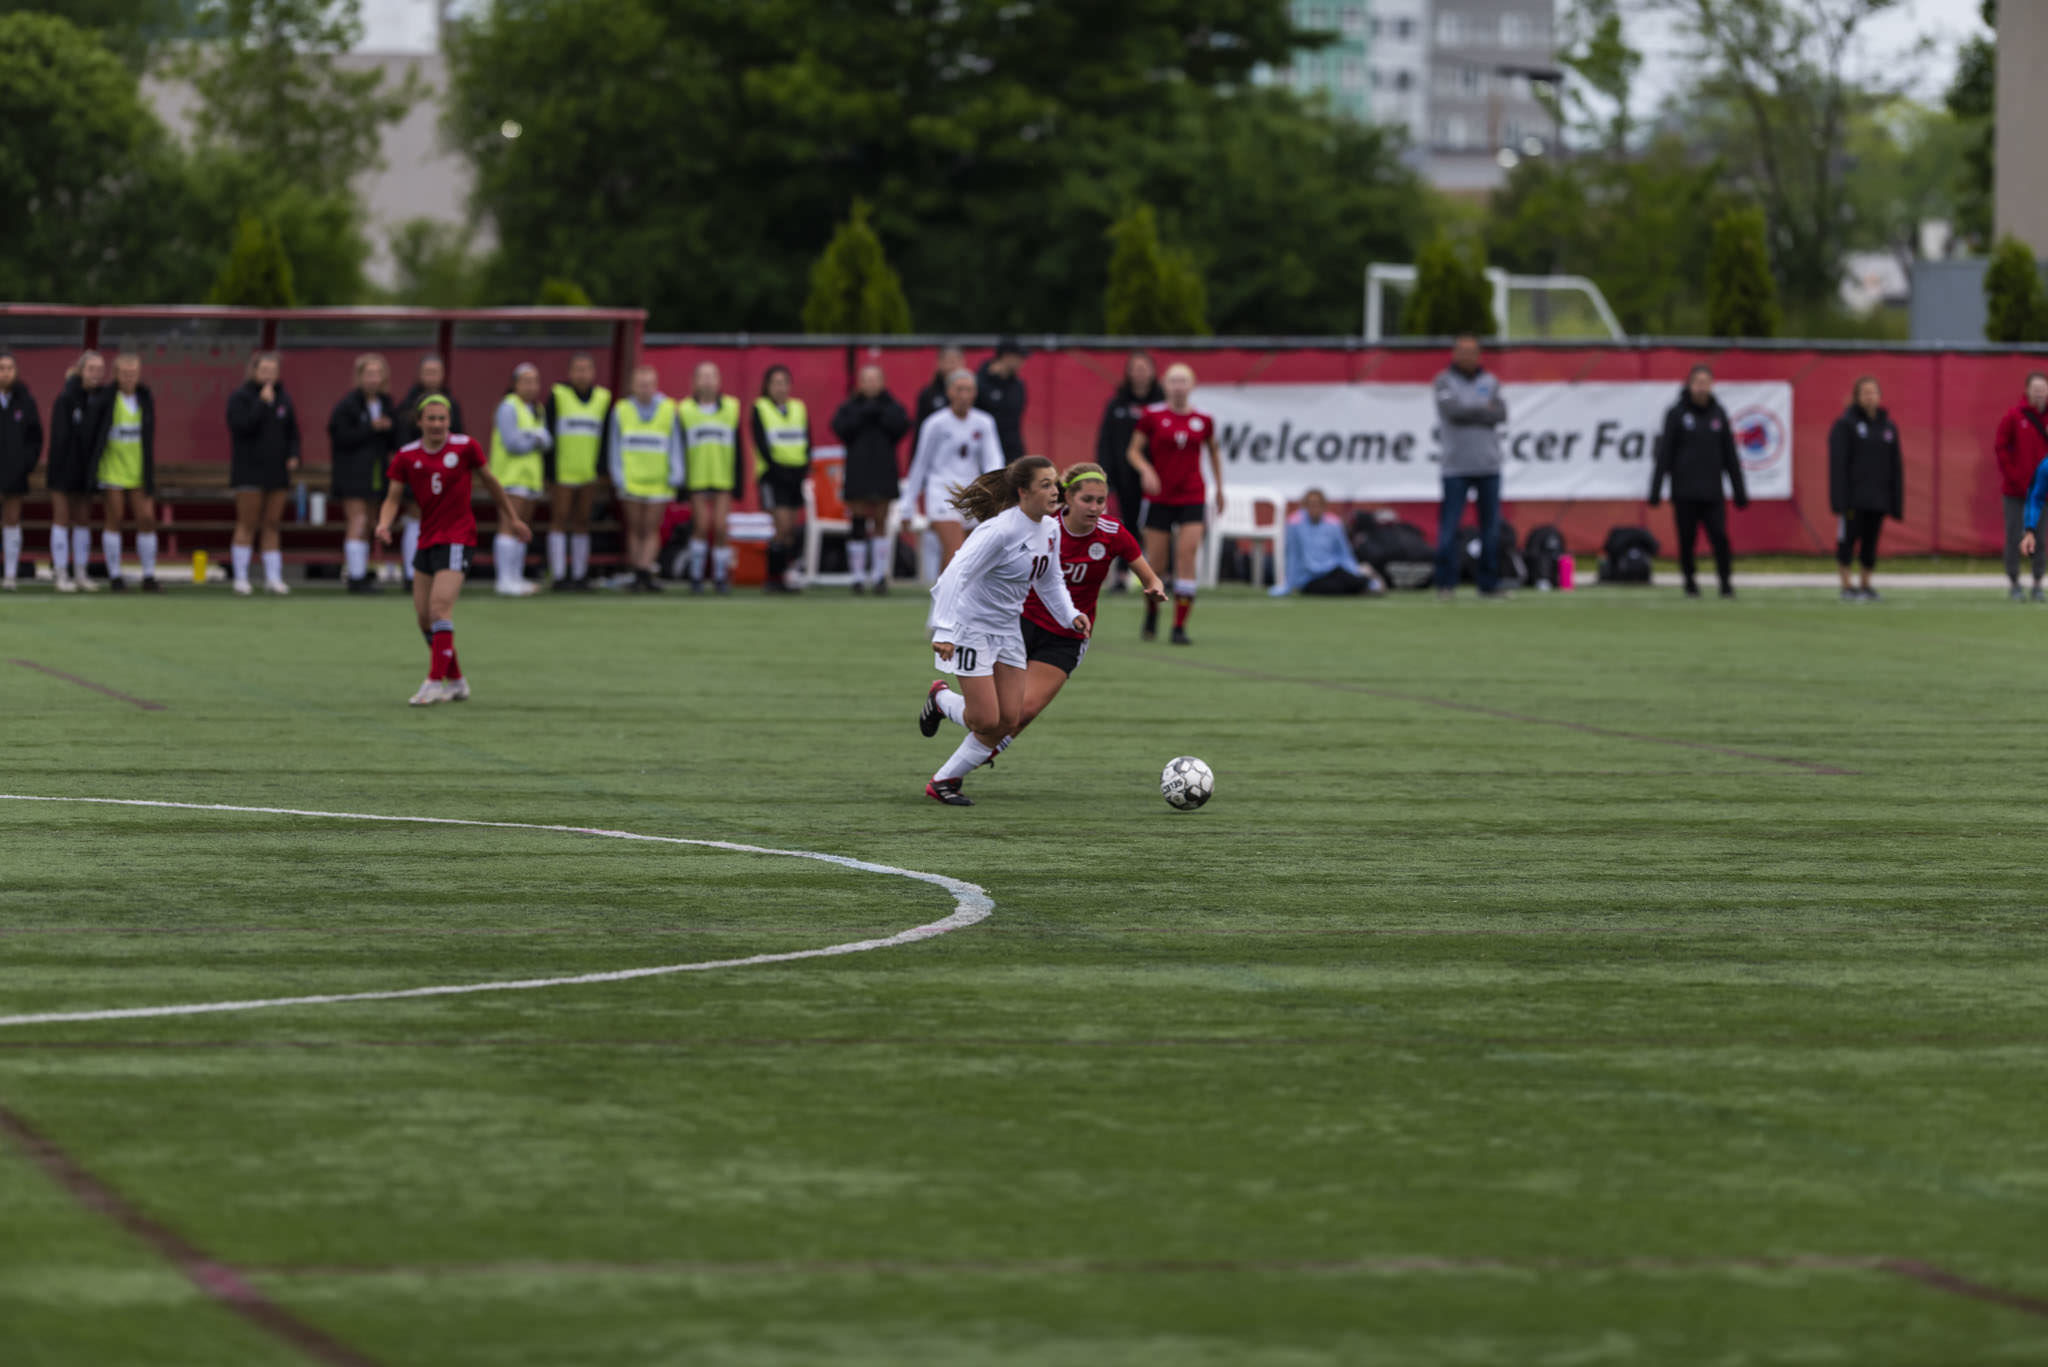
{"x":438,"y":469}
{"x":1166,"y":451}
{"x":1090,"y":547}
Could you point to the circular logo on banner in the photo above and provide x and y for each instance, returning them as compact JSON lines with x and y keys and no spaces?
{"x":450,"y":460}
{"x":1097,"y":551}
{"x":1760,"y":437}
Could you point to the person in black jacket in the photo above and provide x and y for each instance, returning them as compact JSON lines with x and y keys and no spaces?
{"x":362,"y":432}
{"x":123,"y":446}
{"x":70,"y":474}
{"x":263,"y":429}
{"x":932,"y":397}
{"x":21,"y":450}
{"x":1695,"y":453}
{"x":430,"y":378}
{"x":1140,"y":390}
{"x":1866,"y":482}
{"x":871,"y":423}
{"x":999,"y":392}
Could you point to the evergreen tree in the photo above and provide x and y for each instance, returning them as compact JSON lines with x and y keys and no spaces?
{"x":557,"y":293}
{"x":1452,"y":294}
{"x":853,"y":287}
{"x":2015,"y":304}
{"x":258,"y":273}
{"x":1742,"y":298}
{"x":1153,"y":291}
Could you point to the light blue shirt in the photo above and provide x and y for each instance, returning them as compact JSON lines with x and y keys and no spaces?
{"x":1313,"y":550}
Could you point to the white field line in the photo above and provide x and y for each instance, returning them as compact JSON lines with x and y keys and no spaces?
{"x":971,"y":903}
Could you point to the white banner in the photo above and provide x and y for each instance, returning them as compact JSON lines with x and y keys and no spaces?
{"x":1378,"y":442}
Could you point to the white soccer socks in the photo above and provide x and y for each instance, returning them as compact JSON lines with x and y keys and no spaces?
{"x":145,"y":550}
{"x":579,"y":554}
{"x":965,"y":760}
{"x":558,"y":556}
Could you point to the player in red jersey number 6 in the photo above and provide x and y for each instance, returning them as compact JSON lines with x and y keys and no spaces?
{"x":1091,"y":545}
{"x":976,"y":622}
{"x":1166,"y":450}
{"x":438,"y":469}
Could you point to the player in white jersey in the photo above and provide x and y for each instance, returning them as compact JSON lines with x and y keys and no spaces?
{"x":976,"y":624}
{"x":956,"y":446}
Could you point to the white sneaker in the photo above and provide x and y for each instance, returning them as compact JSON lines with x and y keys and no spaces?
{"x":7,"y":584}
{"x":278,"y":587}
{"x":458,"y":689}
{"x":431,"y":692}
{"x":64,"y":584}
{"x":243,"y":589}
{"x":85,"y":584}
{"x":518,"y":588}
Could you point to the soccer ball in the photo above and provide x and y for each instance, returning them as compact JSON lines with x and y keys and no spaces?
{"x":1187,"y":783}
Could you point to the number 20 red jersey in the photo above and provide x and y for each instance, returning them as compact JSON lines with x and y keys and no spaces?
{"x":1085,"y":561}
{"x":440,"y":480}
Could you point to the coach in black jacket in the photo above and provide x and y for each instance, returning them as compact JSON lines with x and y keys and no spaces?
{"x":21,"y":448}
{"x":1696,"y":452}
{"x":1139,"y":391}
{"x":1000,"y":393}
{"x":1866,"y":482}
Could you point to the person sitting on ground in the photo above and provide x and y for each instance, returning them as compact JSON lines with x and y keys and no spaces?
{"x":1319,"y":558}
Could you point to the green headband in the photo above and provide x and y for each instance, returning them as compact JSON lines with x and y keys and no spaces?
{"x":1084,"y":478}
{"x":433,"y":399}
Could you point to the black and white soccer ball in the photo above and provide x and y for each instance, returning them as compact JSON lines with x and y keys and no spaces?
{"x":1187,"y":783}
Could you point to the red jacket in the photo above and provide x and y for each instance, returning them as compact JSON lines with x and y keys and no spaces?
{"x":2020,"y":449}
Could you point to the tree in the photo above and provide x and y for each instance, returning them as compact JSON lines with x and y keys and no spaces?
{"x":1779,"y":96}
{"x":1742,"y":298}
{"x":258,"y":274}
{"x":1451,"y":295}
{"x":1153,"y":292}
{"x":853,"y":289}
{"x":128,"y":28}
{"x":2015,"y":304}
{"x":562,"y":294}
{"x":1972,"y":100}
{"x":434,"y":267}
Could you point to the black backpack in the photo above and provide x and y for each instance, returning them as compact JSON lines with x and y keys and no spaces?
{"x":1627,"y":556}
{"x":1540,"y":554}
{"x":1400,"y":551}
{"x":1508,"y":559}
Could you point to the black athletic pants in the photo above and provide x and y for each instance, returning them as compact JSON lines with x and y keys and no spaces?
{"x":1337,"y":581}
{"x":1859,"y":531}
{"x":1693,"y":514}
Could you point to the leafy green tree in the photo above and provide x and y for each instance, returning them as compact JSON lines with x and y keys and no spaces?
{"x":322,"y":234}
{"x":2016,"y":305}
{"x":566,"y":294}
{"x":1153,"y":292}
{"x":1972,"y":100}
{"x":434,"y":267}
{"x":853,"y":288}
{"x":257,"y":274}
{"x":1451,"y":293}
{"x":1742,"y":297}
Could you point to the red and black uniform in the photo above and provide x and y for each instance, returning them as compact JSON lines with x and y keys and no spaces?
{"x":1085,"y":562}
{"x":2021,"y":446}
{"x":440,"y":482}
{"x":1173,"y":443}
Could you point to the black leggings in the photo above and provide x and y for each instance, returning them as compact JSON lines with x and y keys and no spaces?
{"x":1693,"y":514}
{"x":1859,"y":531}
{"x":1130,"y":499}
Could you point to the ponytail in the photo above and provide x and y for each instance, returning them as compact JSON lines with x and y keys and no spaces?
{"x":997,"y":491}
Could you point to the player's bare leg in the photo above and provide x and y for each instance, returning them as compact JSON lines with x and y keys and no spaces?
{"x":433,"y":600}
{"x":992,"y":706}
{"x":270,"y":541}
{"x":1187,"y":552}
{"x":951,"y":537}
{"x":1157,"y":545}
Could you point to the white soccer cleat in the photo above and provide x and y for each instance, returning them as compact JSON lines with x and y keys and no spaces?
{"x":431,"y":692}
{"x":278,"y":587}
{"x":64,"y":584}
{"x":85,"y":585}
{"x":243,"y":589}
{"x":7,"y":585}
{"x":458,"y":689}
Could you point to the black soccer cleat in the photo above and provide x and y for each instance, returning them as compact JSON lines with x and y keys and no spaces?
{"x":947,"y":790}
{"x":1180,"y":637}
{"x":149,"y":585}
{"x":929,"y":719}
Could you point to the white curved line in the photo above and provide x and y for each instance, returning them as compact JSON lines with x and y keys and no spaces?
{"x":971,"y":903}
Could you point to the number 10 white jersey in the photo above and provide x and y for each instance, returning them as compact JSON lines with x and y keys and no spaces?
{"x":982,"y":592}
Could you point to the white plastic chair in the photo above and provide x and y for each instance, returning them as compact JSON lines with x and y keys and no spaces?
{"x":1240,"y":521}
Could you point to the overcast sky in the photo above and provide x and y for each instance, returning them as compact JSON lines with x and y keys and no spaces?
{"x":1949,"y":22}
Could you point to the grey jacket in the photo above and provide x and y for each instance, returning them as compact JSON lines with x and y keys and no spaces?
{"x":1471,"y":412}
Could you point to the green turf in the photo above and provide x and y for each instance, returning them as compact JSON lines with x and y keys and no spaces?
{"x":1441,"y":1036}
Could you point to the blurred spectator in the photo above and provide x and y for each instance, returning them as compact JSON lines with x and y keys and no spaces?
{"x":362,"y":433}
{"x":1140,"y":390}
{"x":2021,"y":445}
{"x":932,"y":397}
{"x":782,"y":460}
{"x":954,"y":448}
{"x":1319,"y":557}
{"x":576,"y":414}
{"x":263,"y":428}
{"x":123,"y":446}
{"x":520,"y":441}
{"x":70,"y":476}
{"x":999,"y":392}
{"x":430,"y":378}
{"x":710,"y":421}
{"x":1866,"y":482}
{"x":21,"y":450}
{"x":1470,"y":407}
{"x":871,"y":423}
{"x":1695,"y":452}
{"x":646,"y":453}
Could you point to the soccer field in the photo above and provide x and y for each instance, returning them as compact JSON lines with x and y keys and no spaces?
{"x":1590,"y":979}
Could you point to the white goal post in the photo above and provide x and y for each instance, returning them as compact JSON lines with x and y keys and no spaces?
{"x":1583,"y":293}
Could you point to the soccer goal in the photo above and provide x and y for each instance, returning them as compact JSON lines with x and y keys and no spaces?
{"x":1525,"y":307}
